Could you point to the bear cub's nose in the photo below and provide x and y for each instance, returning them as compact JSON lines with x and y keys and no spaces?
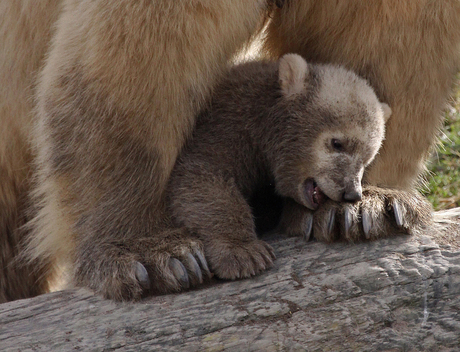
{"x":352,"y":196}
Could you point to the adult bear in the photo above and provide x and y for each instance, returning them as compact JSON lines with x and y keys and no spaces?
{"x":98,"y":97}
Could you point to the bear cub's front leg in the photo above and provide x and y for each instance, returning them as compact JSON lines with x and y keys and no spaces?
{"x":214,"y":209}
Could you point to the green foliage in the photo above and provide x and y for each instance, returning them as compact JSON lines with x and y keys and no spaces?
{"x":443,"y":180}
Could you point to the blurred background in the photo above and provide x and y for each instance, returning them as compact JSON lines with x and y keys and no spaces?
{"x":442,"y":186}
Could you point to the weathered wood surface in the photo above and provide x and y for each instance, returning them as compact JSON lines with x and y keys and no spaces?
{"x":398,"y":294}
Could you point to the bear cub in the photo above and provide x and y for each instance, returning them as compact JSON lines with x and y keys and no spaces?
{"x":310,"y":130}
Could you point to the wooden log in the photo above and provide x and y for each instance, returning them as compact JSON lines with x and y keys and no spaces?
{"x":397,"y":294}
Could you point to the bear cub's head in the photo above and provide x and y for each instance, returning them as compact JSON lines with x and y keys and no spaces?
{"x":334,"y":125}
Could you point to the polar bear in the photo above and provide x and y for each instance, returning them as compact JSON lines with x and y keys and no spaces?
{"x":98,"y":98}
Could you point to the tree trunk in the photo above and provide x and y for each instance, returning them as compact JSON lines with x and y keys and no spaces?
{"x":396,"y":294}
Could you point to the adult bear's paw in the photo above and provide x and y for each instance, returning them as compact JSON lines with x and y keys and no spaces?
{"x":380,"y":213}
{"x":171,"y":261}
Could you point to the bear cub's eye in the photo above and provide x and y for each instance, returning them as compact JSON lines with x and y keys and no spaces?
{"x":336,"y":144}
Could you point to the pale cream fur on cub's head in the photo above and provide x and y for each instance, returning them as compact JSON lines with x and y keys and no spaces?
{"x":293,"y":71}
{"x":342,"y":90}
{"x":345,"y":127}
{"x":337,"y":85}
{"x":353,"y":134}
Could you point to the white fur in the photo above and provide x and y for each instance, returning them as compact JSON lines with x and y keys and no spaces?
{"x":386,"y":111}
{"x":293,"y":70}
{"x":341,"y":90}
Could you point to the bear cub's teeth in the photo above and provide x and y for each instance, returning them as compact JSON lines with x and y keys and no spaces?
{"x":314,"y":196}
{"x":318,"y":196}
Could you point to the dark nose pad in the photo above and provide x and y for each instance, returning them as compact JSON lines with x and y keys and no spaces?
{"x":352,"y":196}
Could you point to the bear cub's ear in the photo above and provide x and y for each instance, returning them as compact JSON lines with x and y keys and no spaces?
{"x":386,"y":111}
{"x":293,"y":70}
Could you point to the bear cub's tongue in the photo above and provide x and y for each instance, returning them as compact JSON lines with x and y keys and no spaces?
{"x":313,"y":194}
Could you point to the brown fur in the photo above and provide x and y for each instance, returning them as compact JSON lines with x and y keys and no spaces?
{"x":23,"y":44}
{"x":112,"y":114}
{"x":408,"y":50}
{"x":110,"y":108}
{"x":266,"y":125}
{"x":118,"y":93}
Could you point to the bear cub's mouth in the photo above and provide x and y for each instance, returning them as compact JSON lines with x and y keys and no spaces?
{"x":313,"y":194}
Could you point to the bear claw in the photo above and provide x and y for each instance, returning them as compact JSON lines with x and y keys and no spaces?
{"x":202,"y":263}
{"x":142,"y":276}
{"x":398,"y":213}
{"x":190,"y":270}
{"x":383,"y":213}
{"x":367,"y":223}
{"x":331,"y":221}
{"x":308,"y":226}
{"x":270,"y":257}
{"x":179,"y":272}
{"x":348,"y":221}
{"x":195,"y":269}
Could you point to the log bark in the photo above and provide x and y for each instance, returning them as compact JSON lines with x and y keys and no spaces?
{"x":396,"y":294}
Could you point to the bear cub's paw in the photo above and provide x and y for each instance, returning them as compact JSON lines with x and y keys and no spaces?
{"x":380,"y":213}
{"x":230,"y":260}
{"x":127,"y":271}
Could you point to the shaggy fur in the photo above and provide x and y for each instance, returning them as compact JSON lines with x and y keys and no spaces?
{"x":116,"y":97}
{"x":23,"y":43}
{"x":286,"y":126}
